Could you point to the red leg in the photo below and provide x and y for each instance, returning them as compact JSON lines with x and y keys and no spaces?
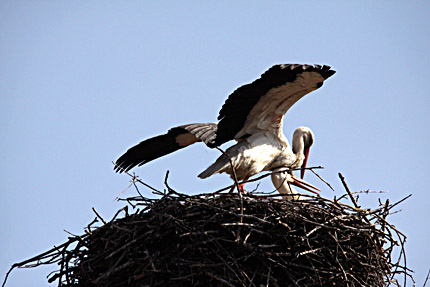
{"x":240,"y":186}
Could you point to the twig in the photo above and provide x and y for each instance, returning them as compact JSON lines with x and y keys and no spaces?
{"x":348,"y":191}
{"x":322,"y":179}
{"x":233,"y":172}
{"x":370,"y":191}
{"x":400,"y":201}
{"x":98,"y":215}
{"x":135,"y":178}
{"x":264,"y":176}
{"x":427,"y":278}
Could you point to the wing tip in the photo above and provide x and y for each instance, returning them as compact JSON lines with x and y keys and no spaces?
{"x":122,"y":166}
{"x":324,"y":70}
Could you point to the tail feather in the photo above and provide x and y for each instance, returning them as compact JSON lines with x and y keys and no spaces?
{"x":220,"y":165}
{"x":232,"y":156}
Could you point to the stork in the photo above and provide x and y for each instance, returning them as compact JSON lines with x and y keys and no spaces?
{"x":252,"y":116}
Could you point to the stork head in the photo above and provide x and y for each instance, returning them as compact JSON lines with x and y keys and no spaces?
{"x":303,"y":139}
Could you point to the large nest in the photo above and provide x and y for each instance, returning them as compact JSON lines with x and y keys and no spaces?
{"x":233,"y":240}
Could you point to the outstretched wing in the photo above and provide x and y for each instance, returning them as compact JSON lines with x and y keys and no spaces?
{"x":254,"y":107}
{"x":175,"y":139}
{"x":261,"y":105}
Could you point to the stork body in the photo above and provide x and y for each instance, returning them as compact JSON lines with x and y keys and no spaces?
{"x":253,"y":117}
{"x":260,"y":152}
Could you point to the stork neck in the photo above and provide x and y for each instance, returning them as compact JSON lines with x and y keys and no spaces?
{"x":299,"y":147}
{"x":299,"y":150}
{"x":281,"y":183}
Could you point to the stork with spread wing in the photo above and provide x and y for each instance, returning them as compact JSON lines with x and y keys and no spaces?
{"x":252,"y":115}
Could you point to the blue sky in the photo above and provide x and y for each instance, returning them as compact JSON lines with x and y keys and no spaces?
{"x":82,"y":81}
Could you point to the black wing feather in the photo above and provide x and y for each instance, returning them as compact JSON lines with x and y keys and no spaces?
{"x":235,"y":110}
{"x":162,"y":145}
{"x":149,"y":150}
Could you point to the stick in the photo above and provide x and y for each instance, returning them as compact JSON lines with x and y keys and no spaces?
{"x":348,"y":191}
{"x":139,"y":180}
{"x":322,"y":179}
{"x":98,"y":215}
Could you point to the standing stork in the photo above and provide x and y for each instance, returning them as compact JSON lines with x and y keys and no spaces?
{"x":253,"y":116}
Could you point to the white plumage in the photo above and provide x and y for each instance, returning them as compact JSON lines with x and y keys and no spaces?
{"x":263,"y":151}
{"x":268,"y":113}
{"x":253,"y":117}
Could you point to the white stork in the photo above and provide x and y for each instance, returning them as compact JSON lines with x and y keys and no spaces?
{"x":252,"y":115}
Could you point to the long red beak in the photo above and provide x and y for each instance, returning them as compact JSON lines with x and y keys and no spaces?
{"x":302,"y":172}
{"x":303,"y":184}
